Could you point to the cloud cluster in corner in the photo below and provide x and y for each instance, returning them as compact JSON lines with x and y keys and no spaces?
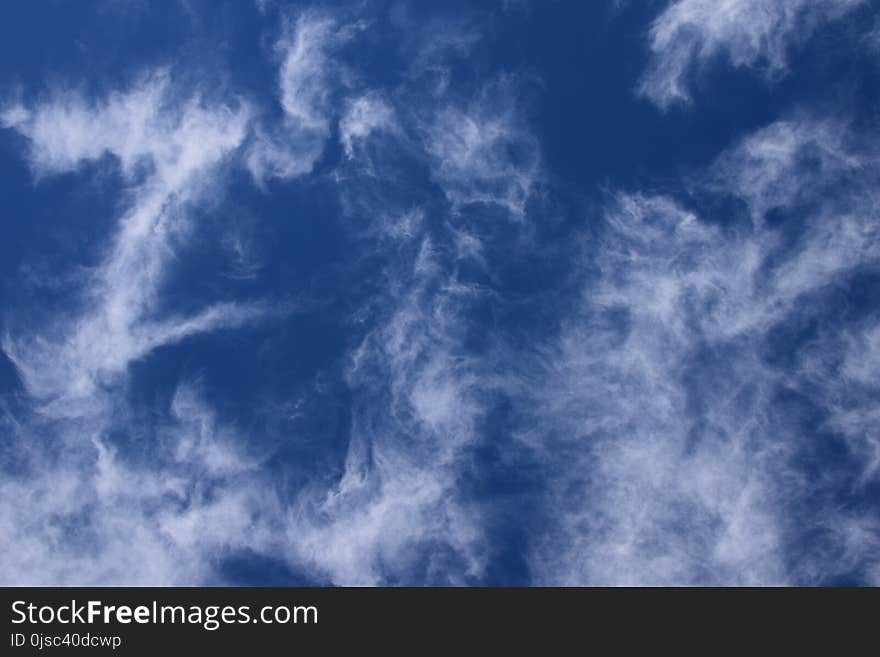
{"x":691,"y":34}
{"x":80,"y":513}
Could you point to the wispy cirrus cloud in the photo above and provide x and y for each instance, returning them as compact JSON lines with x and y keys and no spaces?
{"x":482,"y":153}
{"x":364,"y":115}
{"x":170,"y":149}
{"x":791,"y":162}
{"x":308,"y":81}
{"x":395,"y":514}
{"x":78,"y":509}
{"x":671,"y":387}
{"x":90,"y":515}
{"x":691,"y":34}
{"x":681,"y":453}
{"x":645,"y":489}
{"x":419,"y":394}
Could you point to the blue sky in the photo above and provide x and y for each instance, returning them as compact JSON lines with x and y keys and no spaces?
{"x":386,"y":293}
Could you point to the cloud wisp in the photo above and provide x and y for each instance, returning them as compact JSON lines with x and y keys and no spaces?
{"x":170,"y":150}
{"x":689,"y":35}
{"x":309,"y":79}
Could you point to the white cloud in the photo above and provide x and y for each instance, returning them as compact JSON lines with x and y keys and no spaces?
{"x":837,"y":370}
{"x":171,"y":149}
{"x":670,"y":458}
{"x":363,"y":116}
{"x":143,"y":126}
{"x":690,"y":34}
{"x":395,"y":515}
{"x":642,"y":498}
{"x":160,"y":523}
{"x":789,"y":162}
{"x":304,"y":72}
{"x":483,"y":154}
{"x":308,"y":79}
{"x":415,"y":407}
